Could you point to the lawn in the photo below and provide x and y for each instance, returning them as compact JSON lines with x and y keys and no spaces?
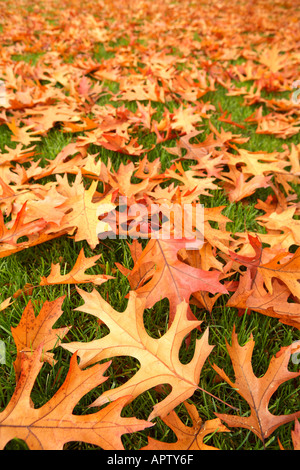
{"x":159,"y":102}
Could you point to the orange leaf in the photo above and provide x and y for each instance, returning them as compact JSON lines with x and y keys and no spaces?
{"x":19,"y":228}
{"x":188,"y":437}
{"x":77,"y":274}
{"x":52,"y":425}
{"x":257,"y":391}
{"x":32,"y":331}
{"x":158,"y":273}
{"x":159,"y":358}
{"x":288,"y":272}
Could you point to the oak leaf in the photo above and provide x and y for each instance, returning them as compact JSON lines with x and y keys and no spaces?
{"x":166,"y":276}
{"x":121,"y":180}
{"x":63,"y":163}
{"x":185,"y":119}
{"x":19,"y":228}
{"x":217,"y":237}
{"x":33,"y":330}
{"x":251,"y":295}
{"x":39,"y":205}
{"x":6,"y":303}
{"x":44,"y":117}
{"x":188,"y":437}
{"x":283,"y":221}
{"x":191,"y":179}
{"x":53,"y":424}
{"x":272,"y":59}
{"x":296,"y":435}
{"x":288,"y":272}
{"x":257,"y":163}
{"x":22,"y":134}
{"x":16,"y":155}
{"x":34,"y":239}
{"x":244,"y":188}
{"x":77,"y":274}
{"x":159,"y":358}
{"x":257,"y":391}
{"x":82,"y":213}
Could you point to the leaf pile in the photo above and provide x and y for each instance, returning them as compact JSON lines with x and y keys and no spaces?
{"x":132,"y":91}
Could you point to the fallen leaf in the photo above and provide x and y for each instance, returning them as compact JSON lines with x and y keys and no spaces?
{"x":53,"y":424}
{"x":189,"y":438}
{"x":77,"y":274}
{"x":257,"y":391}
{"x":159,"y":361}
{"x":33,"y":330}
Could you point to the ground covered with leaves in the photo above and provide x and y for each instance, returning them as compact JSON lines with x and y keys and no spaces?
{"x":110,"y":341}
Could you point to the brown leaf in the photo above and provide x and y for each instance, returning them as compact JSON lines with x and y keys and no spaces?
{"x":158,"y":273}
{"x":82,"y":213}
{"x":77,"y":274}
{"x":159,"y":358}
{"x":288,"y":272}
{"x":52,"y":425}
{"x":188,"y":437}
{"x":257,"y":391}
{"x":32,"y":331}
{"x":6,"y":303}
{"x":296,"y":435}
{"x":19,"y":228}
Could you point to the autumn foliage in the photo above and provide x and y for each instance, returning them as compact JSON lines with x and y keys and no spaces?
{"x":122,"y":80}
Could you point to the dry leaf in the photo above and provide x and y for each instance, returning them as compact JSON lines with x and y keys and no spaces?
{"x":257,"y":391}
{"x":77,"y":274}
{"x":53,"y":424}
{"x":33,"y":330}
{"x":189,"y":438}
{"x":159,"y":361}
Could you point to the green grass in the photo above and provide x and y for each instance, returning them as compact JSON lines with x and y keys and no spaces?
{"x":30,"y":265}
